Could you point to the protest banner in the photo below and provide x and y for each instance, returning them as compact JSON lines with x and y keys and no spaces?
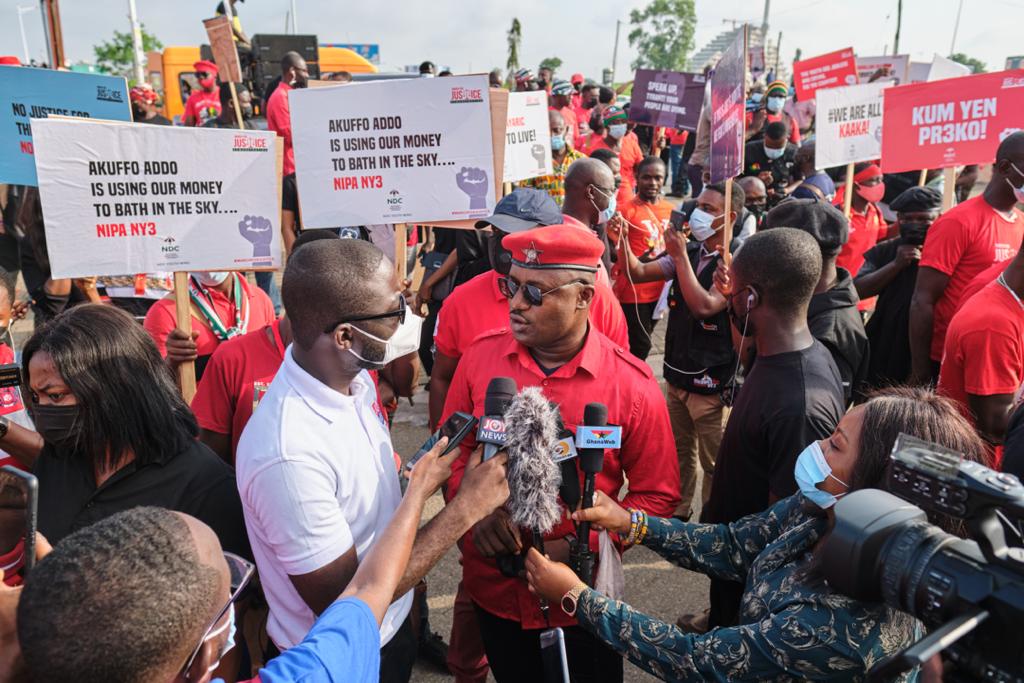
{"x":898,"y":65}
{"x":225,"y":55}
{"x":849,"y":124}
{"x":918,"y":72}
{"x":728,"y":119}
{"x":527,"y":137}
{"x":396,"y":151}
{"x":943,"y":68}
{"x":669,"y":99}
{"x":824,"y":71}
{"x":951,"y":122}
{"x":27,"y":94}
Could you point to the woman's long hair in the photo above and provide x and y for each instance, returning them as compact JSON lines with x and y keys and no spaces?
{"x":125,"y":391}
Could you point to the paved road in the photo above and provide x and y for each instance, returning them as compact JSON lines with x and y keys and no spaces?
{"x":652,"y":584}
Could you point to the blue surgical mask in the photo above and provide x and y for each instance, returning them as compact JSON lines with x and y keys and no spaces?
{"x":812,"y":469}
{"x":557,"y":143}
{"x":605,"y":215}
{"x":775,"y":104}
{"x":700,"y":224}
{"x":230,"y":642}
{"x":617,"y":131}
{"x":772,"y":153}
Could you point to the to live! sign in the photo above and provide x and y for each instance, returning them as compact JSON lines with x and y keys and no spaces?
{"x":952,"y":122}
{"x":825,"y":71}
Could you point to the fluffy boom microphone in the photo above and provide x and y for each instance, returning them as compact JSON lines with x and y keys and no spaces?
{"x":533,"y":474}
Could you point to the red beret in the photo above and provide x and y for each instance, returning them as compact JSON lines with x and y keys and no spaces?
{"x":555,"y":247}
{"x":577,"y":78}
{"x":205,"y":65}
{"x":9,"y":60}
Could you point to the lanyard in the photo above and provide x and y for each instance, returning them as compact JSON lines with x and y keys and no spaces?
{"x":1001,"y":280}
{"x":275,"y":329}
{"x":199,"y":298}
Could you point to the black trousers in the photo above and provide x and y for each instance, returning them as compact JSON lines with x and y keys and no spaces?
{"x":399,"y":655}
{"x":514,"y":653}
{"x":640,"y":326}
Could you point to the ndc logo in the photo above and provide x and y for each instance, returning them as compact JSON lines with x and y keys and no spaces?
{"x":394,"y":199}
{"x":598,"y":437}
{"x":169,"y":248}
{"x":106,"y":94}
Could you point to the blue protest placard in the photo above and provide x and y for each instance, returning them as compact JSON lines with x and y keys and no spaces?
{"x":27,"y":93}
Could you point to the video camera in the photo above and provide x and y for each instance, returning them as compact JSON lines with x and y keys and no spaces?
{"x":969,"y":594}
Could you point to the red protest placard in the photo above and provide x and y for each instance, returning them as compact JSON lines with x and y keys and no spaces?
{"x":824,"y":71}
{"x":950,"y":122}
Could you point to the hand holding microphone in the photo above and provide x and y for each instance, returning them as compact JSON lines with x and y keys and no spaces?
{"x":605,"y":514}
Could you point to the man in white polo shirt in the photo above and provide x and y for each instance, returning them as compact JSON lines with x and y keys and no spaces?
{"x":315,"y":464}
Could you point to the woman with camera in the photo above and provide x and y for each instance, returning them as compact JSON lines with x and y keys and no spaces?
{"x":793,"y":625}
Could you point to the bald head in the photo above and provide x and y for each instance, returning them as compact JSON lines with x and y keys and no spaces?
{"x":292,"y":59}
{"x":584,"y":172}
{"x":555,"y":118}
{"x":752,"y":186}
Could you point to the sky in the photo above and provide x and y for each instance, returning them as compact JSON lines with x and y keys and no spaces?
{"x":470,"y":36}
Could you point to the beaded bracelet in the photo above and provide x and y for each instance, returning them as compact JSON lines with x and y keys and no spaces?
{"x":637,"y":527}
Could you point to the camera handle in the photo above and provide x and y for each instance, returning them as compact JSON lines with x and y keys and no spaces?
{"x":989,"y":530}
{"x":929,"y":646}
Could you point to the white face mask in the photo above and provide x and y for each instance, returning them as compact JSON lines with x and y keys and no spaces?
{"x":229,"y":626}
{"x":404,"y":341}
{"x":1018,"y":192}
{"x":701,"y":224}
{"x":773,"y":153}
{"x":211,"y":279}
{"x":617,"y":131}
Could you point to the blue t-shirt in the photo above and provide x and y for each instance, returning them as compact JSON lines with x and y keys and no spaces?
{"x":343,"y":645}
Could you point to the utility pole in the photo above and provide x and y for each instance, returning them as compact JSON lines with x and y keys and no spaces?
{"x":956,"y":27}
{"x":778,"y":55}
{"x":22,"y":11}
{"x":133,"y":17}
{"x":764,"y":21}
{"x":899,"y":22}
{"x":52,"y":31}
{"x":295,"y":20}
{"x":615,"y":50}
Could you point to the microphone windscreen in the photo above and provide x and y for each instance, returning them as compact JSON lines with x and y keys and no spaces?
{"x":500,"y":392}
{"x":595,"y":415}
{"x":533,"y":475}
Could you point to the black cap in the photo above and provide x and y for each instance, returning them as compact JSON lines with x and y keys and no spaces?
{"x":917,"y":199}
{"x":822,"y":221}
{"x":523,"y":209}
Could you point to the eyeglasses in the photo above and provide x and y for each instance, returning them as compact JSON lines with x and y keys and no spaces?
{"x":242,"y":572}
{"x":533,"y":294}
{"x":398,"y":313}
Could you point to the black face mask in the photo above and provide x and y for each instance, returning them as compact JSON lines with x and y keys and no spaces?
{"x":590,"y":104}
{"x":913,"y":233}
{"x":58,"y":425}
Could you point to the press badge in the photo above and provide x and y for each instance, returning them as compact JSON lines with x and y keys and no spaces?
{"x":609,"y":436}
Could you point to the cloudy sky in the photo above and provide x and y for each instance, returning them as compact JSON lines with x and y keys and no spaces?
{"x":468,"y":35}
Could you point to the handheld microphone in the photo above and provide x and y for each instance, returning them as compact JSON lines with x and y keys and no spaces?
{"x":592,"y":438}
{"x":491,"y":432}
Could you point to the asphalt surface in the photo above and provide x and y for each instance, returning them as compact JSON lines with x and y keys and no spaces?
{"x":653,"y":585}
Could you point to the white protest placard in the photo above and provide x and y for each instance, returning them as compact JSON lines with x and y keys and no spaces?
{"x":123,"y":198}
{"x":899,"y":67}
{"x":527,"y":136}
{"x":943,"y":68}
{"x":849,"y":124}
{"x":395,"y":151}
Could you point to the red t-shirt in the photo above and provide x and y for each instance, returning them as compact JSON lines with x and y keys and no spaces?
{"x":978,"y":283}
{"x":572,"y":125}
{"x":962,"y":243}
{"x":676,"y":137}
{"x":794,"y":129}
{"x":601,"y":372}
{"x":477,"y":307}
{"x":648,"y":223}
{"x":984,"y":352}
{"x":160,"y":319}
{"x":279,"y":120}
{"x":203,"y":106}
{"x":12,"y":406}
{"x":866,"y":229}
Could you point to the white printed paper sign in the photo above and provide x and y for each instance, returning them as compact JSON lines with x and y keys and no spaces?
{"x":395,"y":151}
{"x":527,"y":136}
{"x":123,"y":198}
{"x":849,"y":124}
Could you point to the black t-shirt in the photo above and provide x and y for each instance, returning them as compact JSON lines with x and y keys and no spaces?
{"x":157,"y":121}
{"x":195,"y":481}
{"x":834,"y":320}
{"x":787,"y":401}
{"x":217,"y":123}
{"x":888,"y":328}
{"x":1013,"y":445}
{"x":445,"y":240}
{"x":756,"y":161}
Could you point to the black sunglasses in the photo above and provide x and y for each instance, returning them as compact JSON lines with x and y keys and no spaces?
{"x":242,"y":572}
{"x":533,"y":294}
{"x":399,"y":313}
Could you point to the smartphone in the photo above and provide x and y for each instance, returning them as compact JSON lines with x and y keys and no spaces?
{"x":455,"y":428}
{"x":19,"y":499}
{"x":552,"y":656}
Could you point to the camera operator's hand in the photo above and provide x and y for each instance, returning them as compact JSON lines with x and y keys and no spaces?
{"x":181,"y":348}
{"x":605,"y":514}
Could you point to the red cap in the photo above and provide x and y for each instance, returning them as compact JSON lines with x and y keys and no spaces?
{"x":205,"y":65}
{"x":9,"y":60}
{"x":555,"y":247}
{"x":577,"y":78}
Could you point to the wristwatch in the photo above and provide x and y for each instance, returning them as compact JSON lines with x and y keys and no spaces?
{"x":572,"y":597}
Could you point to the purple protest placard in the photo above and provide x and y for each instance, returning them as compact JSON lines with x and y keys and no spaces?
{"x":727,"y":113}
{"x":669,"y":99}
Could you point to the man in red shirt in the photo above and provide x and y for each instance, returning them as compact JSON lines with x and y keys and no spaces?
{"x":561,"y":92}
{"x":618,"y":139}
{"x":647,"y":215}
{"x":223,"y":306}
{"x":983,"y":359}
{"x":866,"y":223}
{"x":294,"y":74}
{"x":203,"y":104}
{"x":961,"y":244}
{"x":551,"y":345}
{"x":772,"y":111}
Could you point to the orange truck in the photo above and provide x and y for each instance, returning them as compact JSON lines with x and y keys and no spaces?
{"x":170,"y":72}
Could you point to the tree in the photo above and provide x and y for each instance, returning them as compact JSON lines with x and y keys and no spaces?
{"x":662,"y":33}
{"x":551,"y":63}
{"x":976,"y":65}
{"x":515,"y":37}
{"x":116,"y":56}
